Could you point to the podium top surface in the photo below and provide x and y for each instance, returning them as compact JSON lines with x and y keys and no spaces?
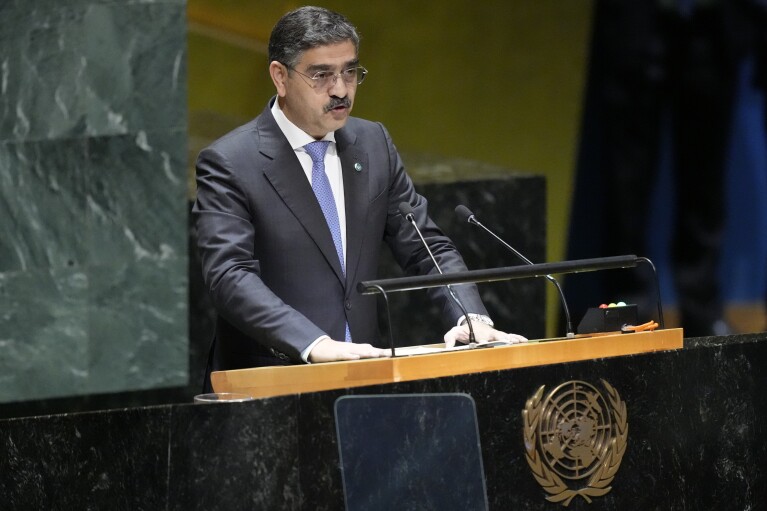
{"x":285,"y":380}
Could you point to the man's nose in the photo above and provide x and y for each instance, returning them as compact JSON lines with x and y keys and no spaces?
{"x":338,"y":87}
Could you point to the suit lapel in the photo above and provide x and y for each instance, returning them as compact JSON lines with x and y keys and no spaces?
{"x":354,"y":166}
{"x":286,"y":175}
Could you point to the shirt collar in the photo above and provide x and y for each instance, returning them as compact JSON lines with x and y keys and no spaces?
{"x":297,"y":138}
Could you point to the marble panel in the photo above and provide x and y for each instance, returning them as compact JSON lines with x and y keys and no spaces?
{"x":235,"y":456}
{"x":93,"y":256}
{"x":321,"y":489}
{"x":70,"y":203}
{"x":137,"y":327}
{"x":693,"y":438}
{"x":43,"y":196}
{"x":46,"y":5}
{"x":109,"y":329}
{"x":95,"y":220}
{"x":91,"y":68}
{"x":43,"y":334}
{"x":105,"y":460}
{"x":136,"y":198}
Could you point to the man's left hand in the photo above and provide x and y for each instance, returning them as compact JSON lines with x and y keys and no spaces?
{"x":483,"y":333}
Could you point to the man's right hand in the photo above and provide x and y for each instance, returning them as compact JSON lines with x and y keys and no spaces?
{"x":328,"y":350}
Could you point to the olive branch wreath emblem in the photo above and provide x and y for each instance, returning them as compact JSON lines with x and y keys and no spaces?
{"x":609,"y":462}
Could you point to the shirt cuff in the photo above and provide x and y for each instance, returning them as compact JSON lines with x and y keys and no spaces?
{"x":305,"y":353}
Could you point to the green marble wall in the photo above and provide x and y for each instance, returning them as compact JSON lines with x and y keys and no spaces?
{"x":93,"y":260}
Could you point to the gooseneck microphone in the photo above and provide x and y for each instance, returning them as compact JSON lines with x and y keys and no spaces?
{"x":466,"y":215}
{"x":407,"y":212}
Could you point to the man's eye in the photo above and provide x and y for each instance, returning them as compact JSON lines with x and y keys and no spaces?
{"x":323,"y":75}
{"x":348,"y":73}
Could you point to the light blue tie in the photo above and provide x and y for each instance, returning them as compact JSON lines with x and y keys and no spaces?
{"x":321,"y":187}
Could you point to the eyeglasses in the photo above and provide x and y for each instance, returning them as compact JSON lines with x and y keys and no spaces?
{"x":323,"y":80}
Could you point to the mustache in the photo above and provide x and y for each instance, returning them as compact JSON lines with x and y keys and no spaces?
{"x":336,"y":102}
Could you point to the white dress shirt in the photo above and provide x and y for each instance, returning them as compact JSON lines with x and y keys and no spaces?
{"x":298,"y":139}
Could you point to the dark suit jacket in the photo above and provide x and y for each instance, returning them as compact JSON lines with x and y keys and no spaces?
{"x":268,"y":258}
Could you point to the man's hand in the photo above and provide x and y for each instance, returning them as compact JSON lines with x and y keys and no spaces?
{"x":482,"y":332}
{"x":328,"y":350}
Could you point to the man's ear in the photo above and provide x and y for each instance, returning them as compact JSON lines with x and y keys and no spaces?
{"x":279,"y":74}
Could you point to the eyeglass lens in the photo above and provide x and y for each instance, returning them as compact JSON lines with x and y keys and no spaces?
{"x":349,"y":76}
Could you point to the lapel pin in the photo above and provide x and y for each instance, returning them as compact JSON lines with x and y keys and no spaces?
{"x":358,"y":167}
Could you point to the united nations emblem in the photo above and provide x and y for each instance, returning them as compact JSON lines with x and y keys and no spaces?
{"x":575,"y":436}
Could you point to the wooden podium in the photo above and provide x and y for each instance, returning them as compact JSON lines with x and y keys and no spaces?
{"x":285,"y":380}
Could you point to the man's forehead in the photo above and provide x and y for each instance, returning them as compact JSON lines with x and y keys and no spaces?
{"x":330,"y":56}
{"x":330,"y":67}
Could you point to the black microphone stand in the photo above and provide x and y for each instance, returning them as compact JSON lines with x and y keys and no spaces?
{"x":463,"y":211}
{"x":388,"y":317}
{"x":407,"y":211}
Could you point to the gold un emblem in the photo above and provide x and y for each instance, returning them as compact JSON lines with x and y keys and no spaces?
{"x":572,"y":435}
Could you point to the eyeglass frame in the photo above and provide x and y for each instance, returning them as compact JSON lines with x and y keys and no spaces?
{"x":334,"y":76}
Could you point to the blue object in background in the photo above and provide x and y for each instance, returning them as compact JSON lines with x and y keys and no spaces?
{"x":743,"y":270}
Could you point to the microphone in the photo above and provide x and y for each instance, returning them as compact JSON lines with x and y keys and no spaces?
{"x":466,"y":215}
{"x":406,"y":210}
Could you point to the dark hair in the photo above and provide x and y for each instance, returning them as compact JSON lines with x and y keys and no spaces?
{"x":305,"y":28}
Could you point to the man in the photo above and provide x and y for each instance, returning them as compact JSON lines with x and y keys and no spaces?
{"x":292,"y":208}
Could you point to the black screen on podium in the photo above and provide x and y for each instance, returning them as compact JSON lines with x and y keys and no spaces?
{"x":410,"y":451}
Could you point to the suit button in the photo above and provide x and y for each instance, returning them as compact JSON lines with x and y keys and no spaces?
{"x":348,"y":305}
